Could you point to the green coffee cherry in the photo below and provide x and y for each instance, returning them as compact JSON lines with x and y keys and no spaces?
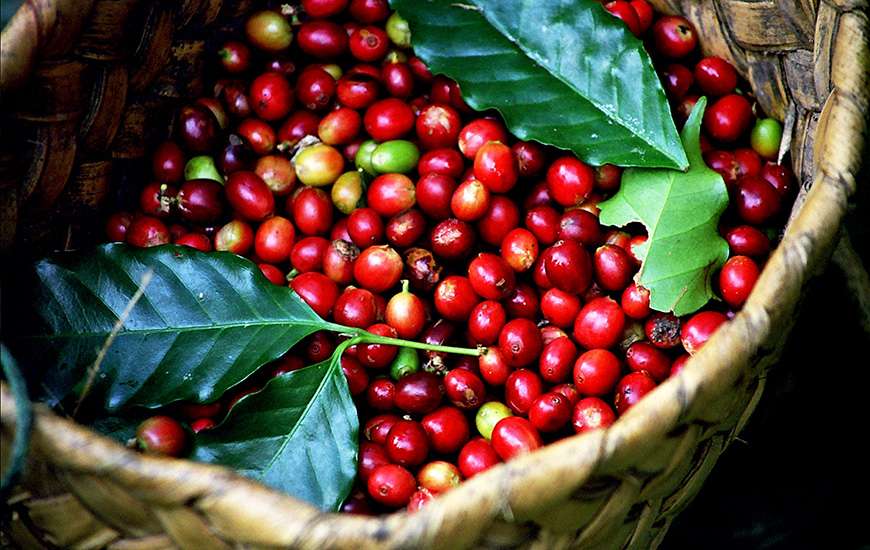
{"x":363,"y":158}
{"x":347,"y":192}
{"x":399,"y":31}
{"x":202,"y":168}
{"x":395,"y":156}
{"x":766,"y":137}
{"x":407,"y":362}
{"x":488,"y":415}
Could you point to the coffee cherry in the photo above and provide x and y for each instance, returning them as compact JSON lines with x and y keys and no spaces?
{"x":736,"y":280}
{"x":779,"y":177}
{"x":766,"y":137}
{"x":520,"y":342}
{"x":236,"y":237}
{"x":673,"y":36}
{"x":557,"y":360}
{"x":315,"y":88}
{"x":477,"y":133}
{"x":268,"y":31}
{"x":322,"y":39}
{"x":698,"y":329}
{"x":596,"y":372}
{"x":491,"y":277}
{"x":438,"y":126}
{"x":494,"y":367}
{"x":728,"y":118}
{"x":378,"y":268}
{"x":161,"y":435}
{"x":312,"y":210}
{"x":495,"y":166}
{"x":645,"y":357}
{"x":455,"y":298}
{"x":419,"y":393}
{"x":599,"y":324}
{"x":378,"y":427}
{"x":439,"y":476}
{"x":500,"y":218}
{"x":514,"y":436}
{"x":476,"y":456}
{"x":635,"y":301}
{"x":369,"y":11}
{"x":318,"y":165}
{"x":447,"y":429}
{"x":745,"y":240}
{"x":447,"y":162}
{"x":464,"y":389}
{"x":391,"y":194}
{"x":550,"y":412}
{"x":334,"y":258}
{"x":592,"y":413}
{"x":523,"y":302}
{"x":371,"y":455}
{"x":544,"y":223}
{"x":381,"y":394}
{"x":277,"y":172}
{"x":489,"y":415}
{"x":203,"y":244}
{"x":168,"y":163}
{"x":407,"y":443}
{"x":271,"y":96}
{"x":613,"y":267}
{"x":406,"y":313}
{"x":521,"y":389}
{"x":388,"y":119}
{"x":663,"y":330}
{"x":486,"y":321}
{"x":378,"y":356}
{"x":581,"y":226}
{"x":317,"y":290}
{"x":569,"y":267}
{"x":570,"y":181}
{"x":391,"y":485}
{"x":631,"y":389}
{"x":519,"y":248}
{"x":624,"y":11}
{"x":355,"y":308}
{"x":715,"y":76}
{"x":470,"y":200}
{"x":146,"y":231}
{"x":756,"y":201}
{"x":273,"y":240}
{"x":677,"y":80}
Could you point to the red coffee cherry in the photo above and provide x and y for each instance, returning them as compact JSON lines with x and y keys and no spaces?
{"x":663,"y":330}
{"x":520,"y":342}
{"x":514,"y":436}
{"x":736,"y":280}
{"x":645,"y":357}
{"x":592,"y":413}
{"x":391,"y":485}
{"x":476,"y":456}
{"x":599,"y":324}
{"x":699,"y":328}
{"x":715,"y":76}
{"x":447,"y":429}
{"x":673,"y":36}
{"x":161,"y":435}
{"x":550,"y":412}
{"x":728,"y":118}
{"x":596,"y":372}
{"x":464,"y":388}
{"x":631,"y":389}
{"x":570,"y":181}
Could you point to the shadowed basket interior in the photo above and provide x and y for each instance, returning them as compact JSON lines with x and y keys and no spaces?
{"x":89,"y":84}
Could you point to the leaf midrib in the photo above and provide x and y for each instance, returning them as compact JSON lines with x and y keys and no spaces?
{"x":535,"y":59}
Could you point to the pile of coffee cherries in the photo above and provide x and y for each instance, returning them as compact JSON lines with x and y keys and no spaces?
{"x":331,"y":157}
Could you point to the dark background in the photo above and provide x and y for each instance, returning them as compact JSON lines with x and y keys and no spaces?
{"x":799,"y":477}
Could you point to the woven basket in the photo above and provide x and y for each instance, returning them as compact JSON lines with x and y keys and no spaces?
{"x":88,"y":79}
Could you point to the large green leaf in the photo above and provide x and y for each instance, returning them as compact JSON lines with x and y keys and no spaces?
{"x":205,"y":322}
{"x":298,"y":435}
{"x":561,"y":72}
{"x":681,"y":212}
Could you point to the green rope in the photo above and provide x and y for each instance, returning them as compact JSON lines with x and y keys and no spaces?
{"x":23,"y":422}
